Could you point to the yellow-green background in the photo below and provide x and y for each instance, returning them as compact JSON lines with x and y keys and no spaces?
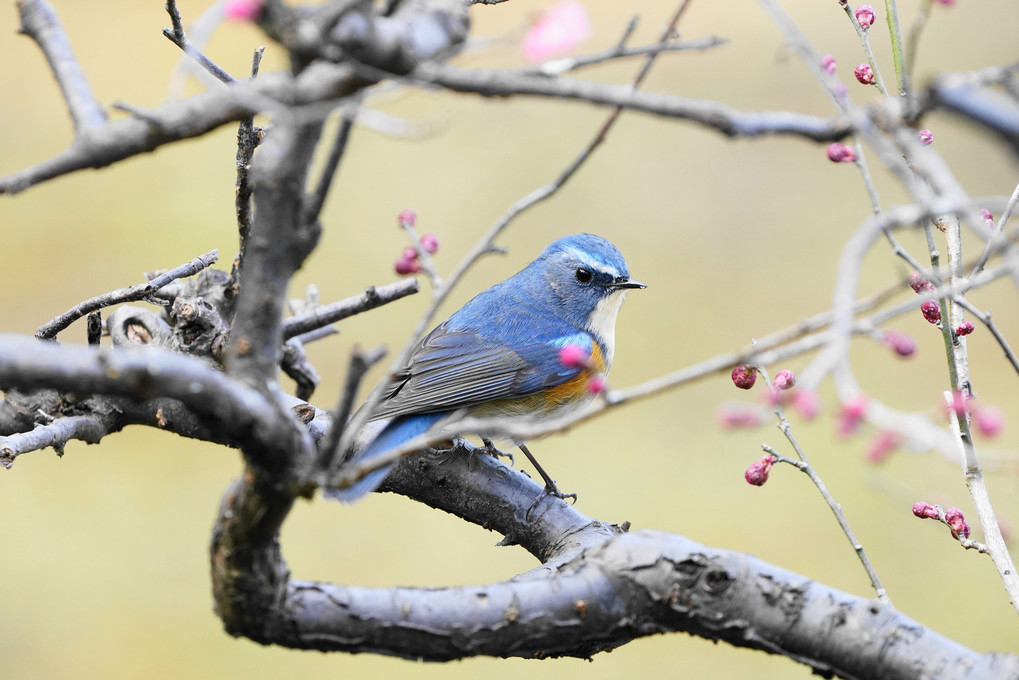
{"x":104,"y":553}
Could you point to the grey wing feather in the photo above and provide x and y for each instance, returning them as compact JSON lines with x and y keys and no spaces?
{"x":453,"y":369}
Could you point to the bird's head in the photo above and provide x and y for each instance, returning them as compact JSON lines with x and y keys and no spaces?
{"x":588,"y":278}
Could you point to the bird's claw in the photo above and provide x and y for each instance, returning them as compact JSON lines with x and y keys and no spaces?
{"x":489,"y":449}
{"x":552,"y":490}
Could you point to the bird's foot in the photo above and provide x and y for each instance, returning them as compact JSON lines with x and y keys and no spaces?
{"x":550,"y":490}
{"x":489,"y":449}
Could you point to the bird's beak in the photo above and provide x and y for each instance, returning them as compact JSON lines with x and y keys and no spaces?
{"x":625,"y":282}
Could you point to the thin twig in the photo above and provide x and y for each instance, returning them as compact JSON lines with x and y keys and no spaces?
{"x":178,"y":37}
{"x":360,"y":363}
{"x":999,"y":237}
{"x":139,"y":291}
{"x":248,"y":137}
{"x":372,"y":297}
{"x":863,"y":34}
{"x":985,"y":318}
{"x":835,"y":506}
{"x":314,"y":203}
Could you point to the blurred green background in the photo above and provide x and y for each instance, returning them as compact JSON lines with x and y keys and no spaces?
{"x":104,"y":552}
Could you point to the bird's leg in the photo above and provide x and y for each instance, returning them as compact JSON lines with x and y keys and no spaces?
{"x":550,"y":486}
{"x":490,"y":449}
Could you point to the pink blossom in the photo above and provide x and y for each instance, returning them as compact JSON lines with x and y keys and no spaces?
{"x":865,"y":15}
{"x":744,"y":376}
{"x":409,"y":253}
{"x":989,"y":421}
{"x":557,"y":32}
{"x":931,"y":311}
{"x":243,"y":10}
{"x":806,"y":403}
{"x":573,"y":356}
{"x":965,"y":328}
{"x":864,"y":74}
{"x":757,"y":474}
{"x":404,"y":266}
{"x":924,"y":510}
{"x":840,"y":153}
{"x":430,"y":242}
{"x":904,"y":345}
{"x":407,"y":218}
{"x":735,"y":415}
{"x":918,"y":283}
{"x":784,"y":380}
{"x":828,"y":64}
{"x":882,"y":446}
{"x":926,"y":137}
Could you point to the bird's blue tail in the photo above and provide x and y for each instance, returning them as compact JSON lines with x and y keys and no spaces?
{"x":399,"y":430}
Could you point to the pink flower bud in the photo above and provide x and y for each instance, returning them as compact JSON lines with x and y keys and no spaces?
{"x":806,"y":403}
{"x":931,"y":311}
{"x":744,"y":376}
{"x":965,"y":328}
{"x":758,"y":473}
{"x":404,"y":266}
{"x":960,"y":403}
{"x":840,"y":90}
{"x":784,"y":380}
{"x":409,"y":253}
{"x":246,"y":10}
{"x":989,"y":421}
{"x":864,"y":74}
{"x":828,"y":64}
{"x":851,"y":415}
{"x":921,"y":508}
{"x":903,"y":345}
{"x":573,"y":356}
{"x":737,"y":415}
{"x":865,"y":15}
{"x":407,"y":218}
{"x":557,"y":32}
{"x":957,"y":522}
{"x":840,"y":153}
{"x":882,"y":446}
{"x":988,"y":217}
{"x":596,"y":385}
{"x":926,"y":137}
{"x":430,"y":242}
{"x":918,"y":283}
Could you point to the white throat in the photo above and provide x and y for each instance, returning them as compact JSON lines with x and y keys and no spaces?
{"x":602,"y":322}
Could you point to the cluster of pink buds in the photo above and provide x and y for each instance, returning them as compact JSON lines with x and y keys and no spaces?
{"x":840,"y":153}
{"x":409,"y":262}
{"x":575,"y":356}
{"x":865,"y":15}
{"x":758,"y":473}
{"x":953,"y":517}
{"x":930,"y":309}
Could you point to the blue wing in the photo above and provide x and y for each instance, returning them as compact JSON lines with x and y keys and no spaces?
{"x":455,"y":368}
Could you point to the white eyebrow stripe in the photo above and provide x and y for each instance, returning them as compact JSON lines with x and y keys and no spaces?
{"x":596,"y":265}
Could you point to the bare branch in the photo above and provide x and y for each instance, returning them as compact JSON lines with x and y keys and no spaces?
{"x":56,"y":434}
{"x":40,"y":22}
{"x":139,"y":291}
{"x":724,"y":119}
{"x":372,"y":297}
{"x":178,"y":37}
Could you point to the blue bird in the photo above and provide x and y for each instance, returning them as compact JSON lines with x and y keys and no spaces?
{"x":499,"y":355}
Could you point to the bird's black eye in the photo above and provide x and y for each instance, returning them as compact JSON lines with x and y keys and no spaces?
{"x":583,"y":275}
